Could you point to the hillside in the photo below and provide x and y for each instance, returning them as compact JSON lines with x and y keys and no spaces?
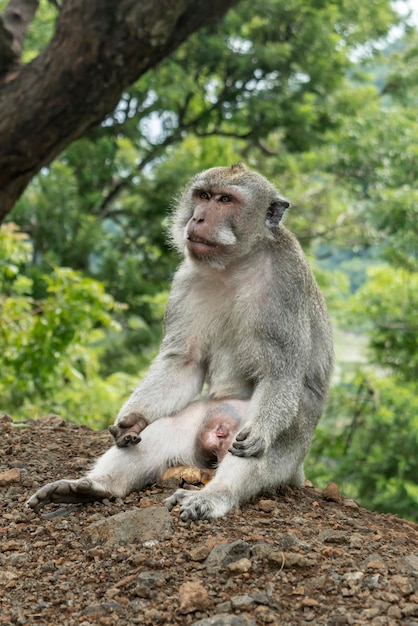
{"x":301,"y":557}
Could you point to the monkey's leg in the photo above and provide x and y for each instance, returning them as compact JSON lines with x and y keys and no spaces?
{"x":237,"y":480}
{"x":110,"y":477}
{"x":167,"y":442}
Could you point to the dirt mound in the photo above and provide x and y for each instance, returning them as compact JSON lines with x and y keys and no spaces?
{"x":301,"y":557}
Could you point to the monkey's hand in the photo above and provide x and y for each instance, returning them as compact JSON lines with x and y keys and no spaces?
{"x":126,"y":431}
{"x":245,"y":444}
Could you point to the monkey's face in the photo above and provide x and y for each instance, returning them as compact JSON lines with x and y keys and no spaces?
{"x":225,"y":213}
{"x":210,"y":231}
{"x":216,"y":437}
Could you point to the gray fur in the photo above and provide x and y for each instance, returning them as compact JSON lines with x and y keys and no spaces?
{"x":245,"y":319}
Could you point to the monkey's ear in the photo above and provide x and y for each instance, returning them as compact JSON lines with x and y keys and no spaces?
{"x":276,"y":211}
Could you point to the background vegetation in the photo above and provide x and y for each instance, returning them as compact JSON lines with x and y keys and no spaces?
{"x":320,"y":97}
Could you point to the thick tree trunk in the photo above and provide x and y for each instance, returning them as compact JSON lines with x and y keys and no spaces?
{"x":99,"y":48}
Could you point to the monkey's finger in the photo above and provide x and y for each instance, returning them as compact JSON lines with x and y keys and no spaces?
{"x":135,"y":420}
{"x":128,"y":439}
{"x":252,"y":447}
{"x":243,"y":434}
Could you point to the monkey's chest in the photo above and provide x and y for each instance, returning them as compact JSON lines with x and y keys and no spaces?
{"x":220,"y":333}
{"x":228,"y":362}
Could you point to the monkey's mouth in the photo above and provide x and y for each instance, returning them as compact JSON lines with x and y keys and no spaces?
{"x":193,"y":239}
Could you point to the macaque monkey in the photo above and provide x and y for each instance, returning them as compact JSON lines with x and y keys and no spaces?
{"x":247,"y":343}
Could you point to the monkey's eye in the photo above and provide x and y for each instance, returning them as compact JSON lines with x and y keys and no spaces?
{"x":225,"y":198}
{"x":204,"y":195}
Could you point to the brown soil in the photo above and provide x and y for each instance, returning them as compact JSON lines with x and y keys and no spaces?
{"x":303,"y":557}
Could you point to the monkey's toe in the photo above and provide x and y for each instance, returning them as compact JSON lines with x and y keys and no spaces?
{"x":200,"y":505}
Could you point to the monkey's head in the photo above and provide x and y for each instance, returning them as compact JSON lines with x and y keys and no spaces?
{"x":225,"y":213}
{"x":215,"y":435}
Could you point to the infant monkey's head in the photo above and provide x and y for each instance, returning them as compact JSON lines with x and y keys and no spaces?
{"x":215,"y":435}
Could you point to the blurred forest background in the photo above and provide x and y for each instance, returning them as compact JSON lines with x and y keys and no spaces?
{"x":322,"y":98}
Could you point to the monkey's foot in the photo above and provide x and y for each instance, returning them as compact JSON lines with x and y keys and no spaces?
{"x":200,"y":505}
{"x":68,"y":491}
{"x":126,"y":431}
{"x":246,"y":445}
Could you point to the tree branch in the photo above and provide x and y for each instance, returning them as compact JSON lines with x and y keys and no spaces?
{"x":98,"y":49}
{"x":14,"y":25}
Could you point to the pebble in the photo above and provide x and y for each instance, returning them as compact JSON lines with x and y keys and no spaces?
{"x":200,"y":553}
{"x":240,"y":567}
{"x":137,"y":525}
{"x":332,"y":493}
{"x":243,"y":602}
{"x":10,"y":476}
{"x":267,"y":506}
{"x":226,"y":553}
{"x":192,"y":597}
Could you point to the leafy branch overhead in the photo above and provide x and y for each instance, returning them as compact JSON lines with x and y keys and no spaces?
{"x":97,"y":50}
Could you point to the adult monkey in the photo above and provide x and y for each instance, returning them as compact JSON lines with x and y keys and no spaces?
{"x":246,"y":318}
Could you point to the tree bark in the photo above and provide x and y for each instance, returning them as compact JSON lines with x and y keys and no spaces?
{"x":98,"y":49}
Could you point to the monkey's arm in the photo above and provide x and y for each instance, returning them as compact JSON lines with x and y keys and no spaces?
{"x":274,"y":410}
{"x":281,"y":355}
{"x":174,"y":379}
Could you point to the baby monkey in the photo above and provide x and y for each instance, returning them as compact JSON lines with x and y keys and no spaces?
{"x":246,"y":323}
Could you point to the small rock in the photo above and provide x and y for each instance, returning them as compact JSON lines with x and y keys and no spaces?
{"x":410,"y":609}
{"x":192,"y":597}
{"x":131,"y":527}
{"x":412,"y":562}
{"x":6,"y":576}
{"x":240,"y":567}
{"x":394,"y":612}
{"x":199,"y":554}
{"x":291,"y":559}
{"x":243,"y":602}
{"x":353,"y":578}
{"x":56,"y":421}
{"x":332,"y":492}
{"x":403,"y":585}
{"x":261,"y":549}
{"x":333,"y":536}
{"x":356,"y":541}
{"x":267,"y":506}
{"x":189,"y":475}
{"x":376,"y":565}
{"x":309,"y":602}
{"x":226,"y":553}
{"x":10,"y":476}
{"x":351,"y":503}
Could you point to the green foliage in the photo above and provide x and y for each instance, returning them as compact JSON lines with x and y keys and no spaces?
{"x":388,"y":303}
{"x":47,"y":344}
{"x":368,"y":444}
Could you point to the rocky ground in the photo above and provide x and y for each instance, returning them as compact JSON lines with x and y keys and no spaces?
{"x":301,"y":557}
